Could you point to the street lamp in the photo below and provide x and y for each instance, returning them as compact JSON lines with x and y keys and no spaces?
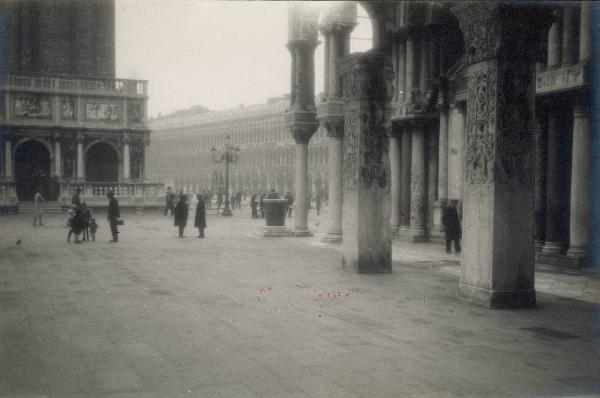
{"x":230,"y":155}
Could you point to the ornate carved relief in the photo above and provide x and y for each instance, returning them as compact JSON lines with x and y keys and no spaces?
{"x":417,"y":201}
{"x":481,"y":121}
{"x":101,"y":111}
{"x":351,"y":160}
{"x":32,"y":107}
{"x":374,"y":146}
{"x":67,"y":109}
{"x":514,"y":137}
{"x":481,"y":40}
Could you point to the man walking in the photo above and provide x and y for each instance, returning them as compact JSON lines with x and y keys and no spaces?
{"x":290,"y":200}
{"x":170,"y":198}
{"x":452,"y":227}
{"x":113,"y":216}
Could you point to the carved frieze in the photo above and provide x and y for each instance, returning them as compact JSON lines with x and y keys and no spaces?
{"x":32,"y":107}
{"x":481,"y":121}
{"x":102,"y":111}
{"x":351,"y":159}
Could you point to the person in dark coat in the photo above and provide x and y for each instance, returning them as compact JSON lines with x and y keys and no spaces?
{"x":181,"y":213}
{"x":170,"y":198}
{"x":253,"y":206}
{"x":76,"y":225}
{"x":452,"y":227}
{"x":318,"y":202}
{"x":113,"y":216}
{"x":86,"y":215}
{"x":200,"y":219}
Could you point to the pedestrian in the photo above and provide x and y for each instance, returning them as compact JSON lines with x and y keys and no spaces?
{"x":452,"y":228}
{"x":318,"y":202}
{"x":113,"y":216}
{"x":170,"y":199}
{"x":261,"y":205}
{"x":290,"y":199}
{"x":76,"y":225}
{"x":86,"y":216}
{"x":71,"y":215}
{"x":181,"y":214}
{"x":76,"y":198}
{"x":253,"y":205}
{"x":200,"y":219}
{"x":93,"y":228}
{"x":38,"y":200}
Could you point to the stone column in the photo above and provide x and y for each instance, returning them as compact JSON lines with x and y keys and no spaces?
{"x":497,"y":267}
{"x":409,"y":80}
{"x":301,"y":118}
{"x":368,"y":90}
{"x":126,"y":164}
{"x":554,"y":237}
{"x":8,"y":162}
{"x":57,"y":157}
{"x":335,"y":132}
{"x":580,"y":174}
{"x":569,"y":35}
{"x":540,"y":149}
{"x":80,"y":164}
{"x":442,"y":187}
{"x":585,"y":50}
{"x":405,"y":173}
{"x":395,"y":157}
{"x":555,"y":40}
{"x":144,"y":171}
{"x":418,"y":187}
{"x":401,"y":70}
{"x":432,"y":176}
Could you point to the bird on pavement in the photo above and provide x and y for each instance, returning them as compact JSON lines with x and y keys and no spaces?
{"x":18,"y":242}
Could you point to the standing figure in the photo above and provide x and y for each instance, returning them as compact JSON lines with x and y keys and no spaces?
{"x":261,"y":205}
{"x":38,"y":199}
{"x":86,"y":216}
{"x":318,"y":202}
{"x":76,"y":198}
{"x":181,"y":214}
{"x":170,"y":199}
{"x":93,"y":228}
{"x":290,"y":199}
{"x":113,"y":216}
{"x":200,"y":219}
{"x":452,"y":227}
{"x":76,"y":225}
{"x":253,"y":206}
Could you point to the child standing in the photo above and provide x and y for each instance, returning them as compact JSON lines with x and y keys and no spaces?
{"x":93,"y":228}
{"x":86,"y":216}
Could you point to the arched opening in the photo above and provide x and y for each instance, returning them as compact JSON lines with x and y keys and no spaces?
{"x":32,"y":170}
{"x":102,"y":163}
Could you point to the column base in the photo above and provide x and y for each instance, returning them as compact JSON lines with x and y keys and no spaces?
{"x":273,"y":232}
{"x":498,"y":299}
{"x":417,"y":235}
{"x":539,"y":245}
{"x":332,"y":237}
{"x":553,"y":247}
{"x":576,"y":251}
{"x":302,"y":232}
{"x":226,"y":213}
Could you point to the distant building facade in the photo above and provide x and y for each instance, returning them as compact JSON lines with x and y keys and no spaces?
{"x":179,"y":153}
{"x":66,"y":121}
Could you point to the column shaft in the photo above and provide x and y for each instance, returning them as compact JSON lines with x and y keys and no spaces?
{"x":555,"y":41}
{"x":443,"y":155}
{"x":418,"y":190}
{"x":405,"y":160}
{"x":57,"y":159}
{"x":432,"y":177}
{"x":126,"y":174}
{"x":8,"y":162}
{"x":395,"y":173}
{"x":409,"y":81}
{"x":569,"y":37}
{"x":334,"y":230}
{"x":80,"y":166}
{"x":401,"y":70}
{"x":301,"y":217}
{"x":540,"y":149}
{"x":580,"y":173}
{"x":554,"y":239}
{"x":585,"y":32}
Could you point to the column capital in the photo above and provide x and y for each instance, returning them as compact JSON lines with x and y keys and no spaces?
{"x":367,"y":75}
{"x":500,"y":30}
{"x":126,"y":139}
{"x":80,"y":138}
{"x":302,"y":125}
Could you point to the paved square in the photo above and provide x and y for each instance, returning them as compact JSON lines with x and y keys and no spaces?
{"x":235,"y":315}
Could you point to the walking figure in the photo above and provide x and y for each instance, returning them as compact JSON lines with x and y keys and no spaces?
{"x":253,"y":206}
{"x":113,"y":216}
{"x":200,"y":219}
{"x":181,"y":214}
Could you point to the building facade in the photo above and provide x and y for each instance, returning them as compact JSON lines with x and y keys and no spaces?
{"x":66,"y":121}
{"x":179,"y":153}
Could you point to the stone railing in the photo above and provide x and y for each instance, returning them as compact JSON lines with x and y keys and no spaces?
{"x":8,"y":197}
{"x":69,"y":85}
{"x":129,"y":194}
{"x":563,"y":79}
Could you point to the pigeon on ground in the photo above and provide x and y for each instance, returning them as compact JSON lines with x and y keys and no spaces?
{"x":18,"y":242}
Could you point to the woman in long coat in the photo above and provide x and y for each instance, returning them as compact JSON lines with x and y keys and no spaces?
{"x":181,"y":214}
{"x":200,"y":219}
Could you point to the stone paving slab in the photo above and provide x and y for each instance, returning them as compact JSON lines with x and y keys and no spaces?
{"x":235,"y":315}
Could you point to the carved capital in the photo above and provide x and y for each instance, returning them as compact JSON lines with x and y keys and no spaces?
{"x":126,"y":139}
{"x":302,"y":125}
{"x":367,"y":76}
{"x":80,"y":138}
{"x":334,"y":126}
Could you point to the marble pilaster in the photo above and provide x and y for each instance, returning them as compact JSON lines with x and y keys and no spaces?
{"x":418,"y":187}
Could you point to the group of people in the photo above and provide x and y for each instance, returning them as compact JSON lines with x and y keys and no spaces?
{"x":180,"y":212}
{"x":257,"y":203}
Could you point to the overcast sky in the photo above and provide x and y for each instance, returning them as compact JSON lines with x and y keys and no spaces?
{"x":212,"y":53}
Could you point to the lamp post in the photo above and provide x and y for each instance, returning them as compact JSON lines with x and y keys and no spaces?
{"x":230,"y":155}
